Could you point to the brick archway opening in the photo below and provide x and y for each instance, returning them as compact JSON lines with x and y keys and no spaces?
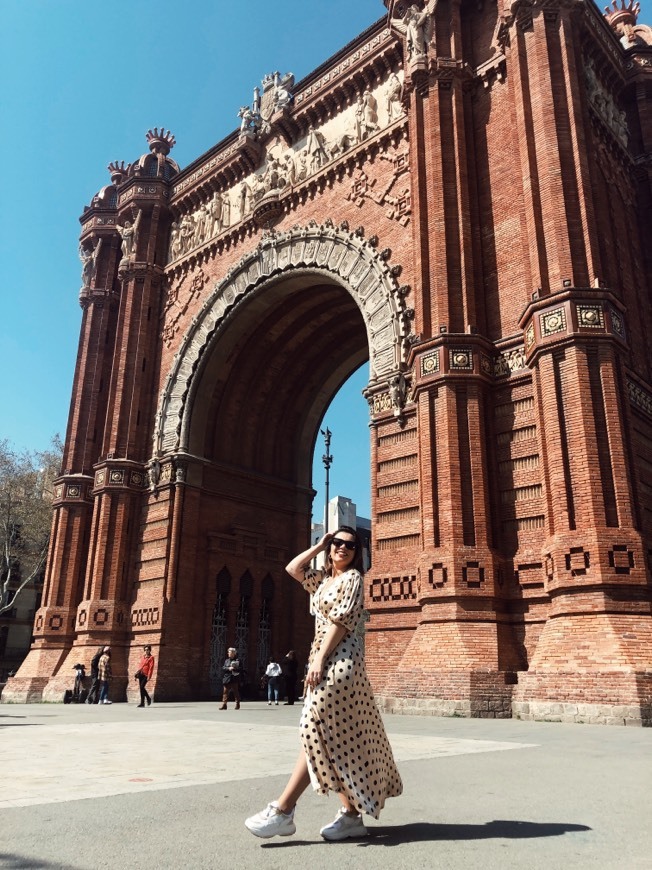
{"x":270,"y":374}
{"x":250,"y":424}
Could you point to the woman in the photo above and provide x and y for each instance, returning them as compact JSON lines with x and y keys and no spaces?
{"x":104,"y":674}
{"x":144,"y":673}
{"x":273,"y":674}
{"x":345,"y":748}
{"x":231,"y":678}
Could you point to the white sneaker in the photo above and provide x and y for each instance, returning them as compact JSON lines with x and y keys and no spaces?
{"x":270,"y":822}
{"x":344,"y":827}
{"x":105,"y":701}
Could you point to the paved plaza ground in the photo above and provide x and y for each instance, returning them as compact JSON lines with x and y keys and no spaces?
{"x":87,"y":787}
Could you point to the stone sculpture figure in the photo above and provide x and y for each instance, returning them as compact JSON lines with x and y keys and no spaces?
{"x":393,"y":98}
{"x":369,"y":115}
{"x":316,"y":148}
{"x":359,"y":120}
{"x":226,"y":211}
{"x":274,"y":177}
{"x":175,"y":241}
{"x":215,"y":214}
{"x":289,"y":168}
{"x":416,"y":27}
{"x":301,"y":166}
{"x":89,"y":263}
{"x":201,"y":216}
{"x":397,"y":393}
{"x":128,"y":234}
{"x":244,"y":199}
{"x":248,"y":120}
{"x":282,"y":96}
{"x":186,"y":231}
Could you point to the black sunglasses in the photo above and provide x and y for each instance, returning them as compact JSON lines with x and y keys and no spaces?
{"x":338,"y":542}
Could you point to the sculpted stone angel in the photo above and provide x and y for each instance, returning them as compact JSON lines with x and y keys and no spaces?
{"x":89,"y":263}
{"x":416,"y":27}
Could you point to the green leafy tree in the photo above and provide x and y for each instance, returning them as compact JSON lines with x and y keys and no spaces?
{"x":25,"y":516}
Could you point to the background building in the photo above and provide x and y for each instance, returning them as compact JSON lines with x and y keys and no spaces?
{"x":462,"y":197}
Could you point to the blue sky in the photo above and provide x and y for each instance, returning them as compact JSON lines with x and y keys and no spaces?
{"x":80,"y":84}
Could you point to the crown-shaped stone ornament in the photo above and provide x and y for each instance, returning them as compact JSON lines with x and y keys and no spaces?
{"x":621,"y":17}
{"x":118,"y":170}
{"x":621,"y":13}
{"x":160,"y":141}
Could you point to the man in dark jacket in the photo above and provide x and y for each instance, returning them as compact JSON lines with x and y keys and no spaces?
{"x":290,"y":672}
{"x":93,"y":694}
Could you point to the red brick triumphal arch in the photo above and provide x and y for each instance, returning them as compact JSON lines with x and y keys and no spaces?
{"x":462,"y":197}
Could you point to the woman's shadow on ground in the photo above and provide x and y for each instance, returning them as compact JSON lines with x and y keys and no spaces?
{"x":505,"y":829}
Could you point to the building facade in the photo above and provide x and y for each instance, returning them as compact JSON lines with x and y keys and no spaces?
{"x":462,"y":197}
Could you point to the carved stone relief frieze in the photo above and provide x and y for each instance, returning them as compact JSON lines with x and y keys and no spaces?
{"x":510,"y":361}
{"x":604,"y":105}
{"x":174,"y":309}
{"x":285,"y":167}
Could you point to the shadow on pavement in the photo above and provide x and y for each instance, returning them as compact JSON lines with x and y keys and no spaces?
{"x":504,"y":829}
{"x":19,"y":862}
{"x":423,"y":831}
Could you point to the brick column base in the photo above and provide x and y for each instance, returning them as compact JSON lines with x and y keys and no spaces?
{"x":595,"y":698}
{"x":24,"y":690}
{"x":467,"y":694}
{"x":31,"y":681}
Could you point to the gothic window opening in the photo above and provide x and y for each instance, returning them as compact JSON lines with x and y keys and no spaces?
{"x":218,"y":633}
{"x":242,"y":621}
{"x":265,"y":626}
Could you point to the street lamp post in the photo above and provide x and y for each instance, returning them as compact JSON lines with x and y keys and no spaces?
{"x":327,"y":459}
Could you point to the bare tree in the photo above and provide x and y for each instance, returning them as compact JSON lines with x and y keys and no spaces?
{"x":25,"y":516}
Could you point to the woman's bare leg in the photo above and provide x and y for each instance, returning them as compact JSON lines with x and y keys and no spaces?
{"x":349,"y":809}
{"x":297,"y":784}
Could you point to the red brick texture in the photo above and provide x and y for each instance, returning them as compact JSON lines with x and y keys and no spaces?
{"x":488,"y":250}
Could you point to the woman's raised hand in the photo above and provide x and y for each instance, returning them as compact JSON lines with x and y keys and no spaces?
{"x":325,"y":541}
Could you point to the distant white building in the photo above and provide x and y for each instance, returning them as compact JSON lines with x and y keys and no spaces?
{"x":342,"y":512}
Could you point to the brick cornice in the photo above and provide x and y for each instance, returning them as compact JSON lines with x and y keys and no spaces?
{"x":72,"y":489}
{"x":571,"y":315}
{"x":119,"y":474}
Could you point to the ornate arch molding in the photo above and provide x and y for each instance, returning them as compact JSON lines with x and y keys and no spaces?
{"x":345,"y":256}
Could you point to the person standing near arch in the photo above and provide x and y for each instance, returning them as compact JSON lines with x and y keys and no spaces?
{"x":290,"y":673}
{"x":345,"y":747}
{"x":144,"y":673}
{"x":231,"y":678}
{"x":104,"y":674}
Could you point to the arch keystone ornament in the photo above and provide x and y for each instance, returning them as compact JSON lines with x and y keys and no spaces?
{"x":380,"y":211}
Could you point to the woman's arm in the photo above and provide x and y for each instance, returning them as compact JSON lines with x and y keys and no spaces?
{"x":333,"y":636}
{"x":296,"y":566}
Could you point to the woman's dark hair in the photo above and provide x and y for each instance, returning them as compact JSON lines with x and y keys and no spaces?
{"x":357,"y":555}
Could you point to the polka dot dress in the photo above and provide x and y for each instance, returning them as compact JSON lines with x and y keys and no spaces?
{"x":341,"y":730}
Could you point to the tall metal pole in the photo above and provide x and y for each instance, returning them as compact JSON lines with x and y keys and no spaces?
{"x":327,"y":459}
